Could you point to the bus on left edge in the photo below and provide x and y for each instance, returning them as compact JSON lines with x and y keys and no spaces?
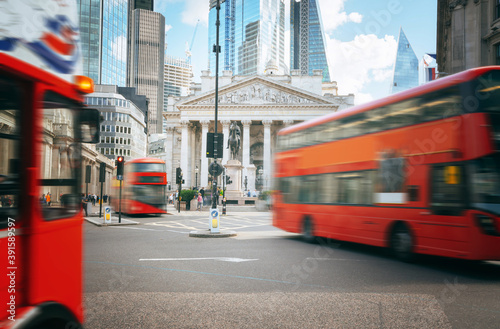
{"x":43,"y":123}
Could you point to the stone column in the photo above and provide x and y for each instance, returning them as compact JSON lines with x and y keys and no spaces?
{"x":225,"y":131}
{"x":184,"y":148}
{"x":169,"y":157}
{"x":247,"y":167}
{"x":267,"y":153}
{"x":204,"y":159}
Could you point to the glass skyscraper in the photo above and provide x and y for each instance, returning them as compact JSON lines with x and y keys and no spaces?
{"x":405,"y":66}
{"x":251,"y":34}
{"x":307,"y":46}
{"x":103,"y":27}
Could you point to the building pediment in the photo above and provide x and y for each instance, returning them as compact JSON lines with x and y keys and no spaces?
{"x":257,"y":91}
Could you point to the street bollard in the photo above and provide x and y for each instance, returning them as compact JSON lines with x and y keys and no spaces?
{"x":214,"y":220}
{"x":107,"y":215}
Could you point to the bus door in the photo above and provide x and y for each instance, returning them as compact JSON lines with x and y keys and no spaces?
{"x":445,"y":226}
{"x":56,"y":240}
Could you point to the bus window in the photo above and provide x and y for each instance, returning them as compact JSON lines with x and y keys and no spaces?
{"x":10,"y":104}
{"x":60,"y":160}
{"x":308,"y":189}
{"x":485,"y":179}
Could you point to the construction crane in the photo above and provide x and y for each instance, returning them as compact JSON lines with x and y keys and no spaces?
{"x":190,"y":46}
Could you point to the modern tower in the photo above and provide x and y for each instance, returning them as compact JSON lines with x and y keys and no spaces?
{"x":251,"y":34}
{"x":405,"y":66}
{"x":147,"y":30}
{"x":103,"y":27}
{"x":178,"y":75}
{"x":307,"y":45}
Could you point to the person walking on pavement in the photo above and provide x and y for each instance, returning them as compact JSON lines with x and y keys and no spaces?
{"x":200,"y":202}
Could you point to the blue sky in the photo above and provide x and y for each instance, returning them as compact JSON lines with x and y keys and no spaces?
{"x":361,"y":38}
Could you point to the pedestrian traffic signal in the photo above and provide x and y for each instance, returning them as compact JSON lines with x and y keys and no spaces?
{"x":178,"y":175}
{"x":120,"y":161}
{"x":228,"y":180}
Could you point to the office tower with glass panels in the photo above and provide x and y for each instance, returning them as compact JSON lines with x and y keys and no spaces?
{"x":103,"y":34}
{"x":307,"y":45}
{"x":405,"y":67}
{"x":251,"y":34}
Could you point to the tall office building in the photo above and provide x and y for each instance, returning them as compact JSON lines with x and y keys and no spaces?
{"x":307,"y":46}
{"x":141,"y":4}
{"x":405,"y":66}
{"x":252,"y":33}
{"x":178,"y":75}
{"x":103,"y":34}
{"x":147,"y":30}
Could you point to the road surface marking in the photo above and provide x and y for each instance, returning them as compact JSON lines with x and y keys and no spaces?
{"x":222,"y":259}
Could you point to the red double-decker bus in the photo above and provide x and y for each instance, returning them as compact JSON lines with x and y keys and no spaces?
{"x":42,"y":125}
{"x":143,"y":187}
{"x":418,"y":171}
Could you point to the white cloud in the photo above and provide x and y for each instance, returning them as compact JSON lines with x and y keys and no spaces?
{"x":334,"y":10}
{"x":167,"y":27}
{"x":361,"y":61}
{"x":195,"y":10}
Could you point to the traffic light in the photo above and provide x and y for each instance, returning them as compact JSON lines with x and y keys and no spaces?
{"x":228,"y":180}
{"x":120,"y":161}
{"x":210,"y":145}
{"x":178,"y":175}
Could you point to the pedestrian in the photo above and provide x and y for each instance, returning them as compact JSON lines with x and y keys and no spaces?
{"x":202,"y":191}
{"x":47,"y":199}
{"x":171,"y":198}
{"x":200,"y":202}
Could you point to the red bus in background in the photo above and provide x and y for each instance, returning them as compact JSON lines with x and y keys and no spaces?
{"x":42,"y":125}
{"x":418,"y":171}
{"x":143,"y":187}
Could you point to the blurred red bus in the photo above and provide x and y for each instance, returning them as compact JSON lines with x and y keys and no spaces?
{"x":143,"y":187}
{"x":418,"y":171}
{"x":42,"y":125}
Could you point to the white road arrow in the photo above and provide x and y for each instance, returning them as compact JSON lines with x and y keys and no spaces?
{"x":222,"y":259}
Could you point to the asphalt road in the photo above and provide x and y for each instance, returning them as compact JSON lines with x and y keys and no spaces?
{"x":154,"y":275}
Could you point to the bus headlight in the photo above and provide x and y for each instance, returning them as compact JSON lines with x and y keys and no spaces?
{"x":487,"y":224}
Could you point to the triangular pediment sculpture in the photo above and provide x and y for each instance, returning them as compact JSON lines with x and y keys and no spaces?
{"x":258,"y":90}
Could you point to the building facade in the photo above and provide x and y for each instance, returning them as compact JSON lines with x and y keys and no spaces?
{"x":405,"y":75}
{"x":251,"y":34}
{"x":468,"y":34}
{"x":103,"y":34}
{"x":147,"y":62}
{"x":260,"y":104}
{"x":178,"y":75}
{"x":307,"y":46}
{"x":123,"y":128}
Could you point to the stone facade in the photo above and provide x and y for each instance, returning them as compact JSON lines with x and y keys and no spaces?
{"x":260,"y":105}
{"x":468,"y":34}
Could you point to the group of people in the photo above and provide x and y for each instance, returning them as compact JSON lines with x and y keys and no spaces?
{"x":93,"y":198}
{"x":46,"y":199}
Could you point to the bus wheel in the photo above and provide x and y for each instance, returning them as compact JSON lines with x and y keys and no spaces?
{"x":402,"y":243}
{"x":307,"y":230}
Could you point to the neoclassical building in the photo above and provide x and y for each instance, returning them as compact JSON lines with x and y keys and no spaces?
{"x":260,"y":105}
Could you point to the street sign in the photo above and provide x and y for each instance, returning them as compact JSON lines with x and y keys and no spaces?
{"x":215,"y":169}
{"x":107,"y":214}
{"x":214,"y":220}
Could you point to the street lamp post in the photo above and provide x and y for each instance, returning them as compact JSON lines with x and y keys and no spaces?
{"x":196,"y":177}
